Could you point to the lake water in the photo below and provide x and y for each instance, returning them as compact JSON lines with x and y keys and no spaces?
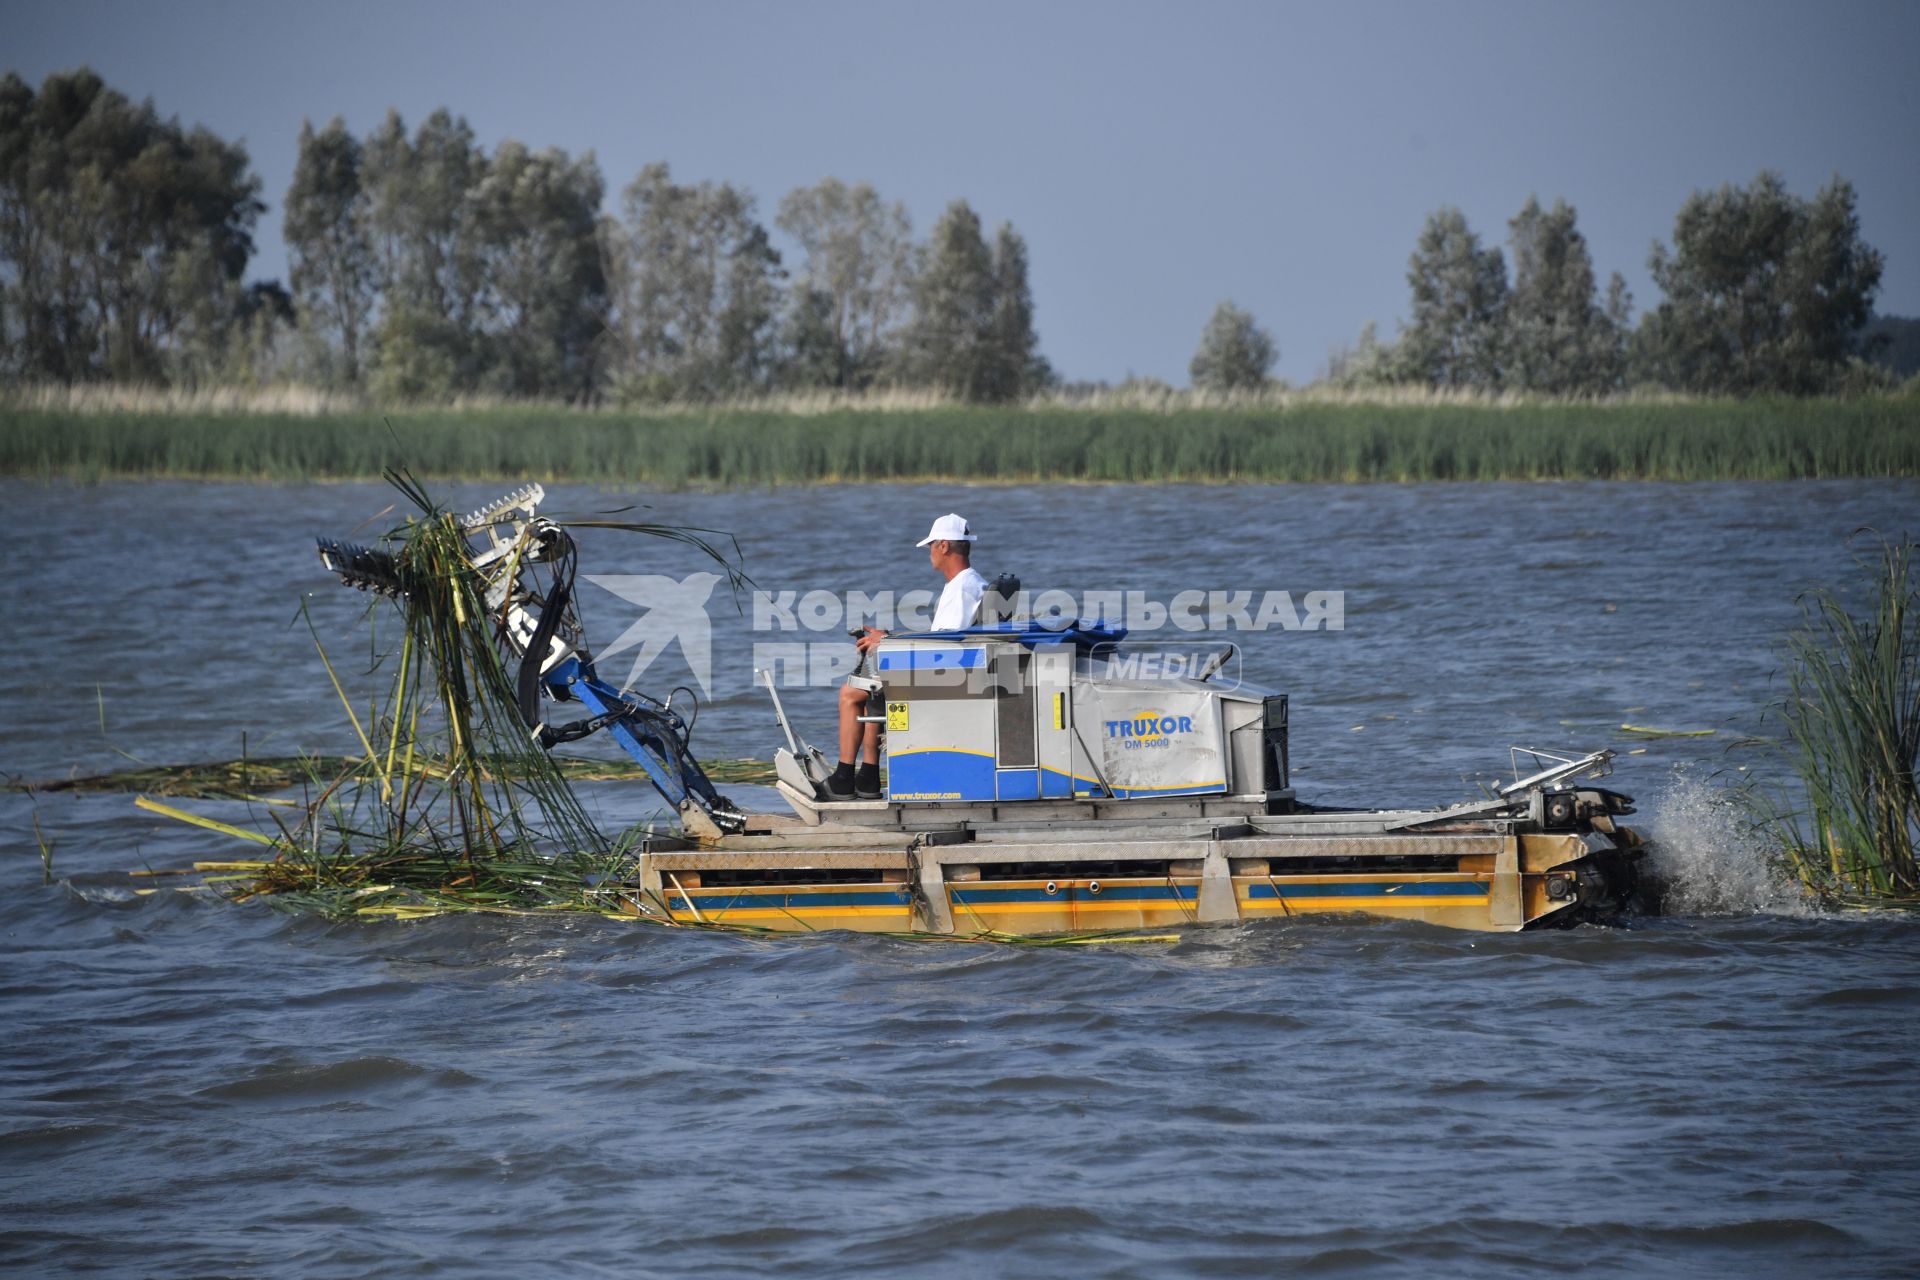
{"x":193,"y":1088}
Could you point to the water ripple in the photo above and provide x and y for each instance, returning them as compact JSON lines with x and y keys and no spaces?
{"x":190,"y":1088}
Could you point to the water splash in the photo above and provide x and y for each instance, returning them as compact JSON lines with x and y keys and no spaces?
{"x":1710,"y":858}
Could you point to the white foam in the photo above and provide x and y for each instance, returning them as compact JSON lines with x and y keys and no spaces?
{"x":1712,"y":859}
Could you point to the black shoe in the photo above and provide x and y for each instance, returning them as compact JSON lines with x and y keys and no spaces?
{"x":866,"y":783}
{"x":840,"y":784}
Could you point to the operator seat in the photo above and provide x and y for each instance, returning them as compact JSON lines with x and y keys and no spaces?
{"x":997,"y":604}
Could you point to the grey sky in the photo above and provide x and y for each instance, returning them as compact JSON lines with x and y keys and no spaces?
{"x":1157,"y":157}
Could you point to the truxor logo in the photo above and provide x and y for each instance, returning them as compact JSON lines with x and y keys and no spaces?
{"x":1148,"y":728}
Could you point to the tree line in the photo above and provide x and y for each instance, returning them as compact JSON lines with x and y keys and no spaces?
{"x":422,"y":266}
{"x":1762,"y":292}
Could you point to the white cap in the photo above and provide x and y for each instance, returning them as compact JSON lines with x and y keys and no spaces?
{"x":948,"y":528}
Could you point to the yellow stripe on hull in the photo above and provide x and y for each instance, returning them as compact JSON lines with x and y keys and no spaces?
{"x":806,"y":921}
{"x":1459,"y":899}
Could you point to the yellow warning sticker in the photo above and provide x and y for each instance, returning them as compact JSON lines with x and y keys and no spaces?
{"x":896,"y":717}
{"x":1059,"y":710}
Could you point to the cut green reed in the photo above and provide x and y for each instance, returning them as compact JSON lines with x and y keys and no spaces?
{"x":250,"y":778}
{"x":46,"y":850}
{"x":450,"y":804}
{"x":1307,"y":439}
{"x":1849,"y":732}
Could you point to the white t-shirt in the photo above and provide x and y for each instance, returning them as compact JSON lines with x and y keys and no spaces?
{"x":959,"y":601}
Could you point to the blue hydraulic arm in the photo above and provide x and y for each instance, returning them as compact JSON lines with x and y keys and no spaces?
{"x":651,"y":732}
{"x":507,"y":542}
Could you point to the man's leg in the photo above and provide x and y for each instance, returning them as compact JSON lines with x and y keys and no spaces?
{"x":857,"y":741}
{"x":866,"y":779}
{"x":853,"y":701}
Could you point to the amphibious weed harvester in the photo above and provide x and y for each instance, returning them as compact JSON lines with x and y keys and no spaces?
{"x":1038,"y":781}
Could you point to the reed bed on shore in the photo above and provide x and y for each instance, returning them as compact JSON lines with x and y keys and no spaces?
{"x":1849,"y":734}
{"x":1305,"y":439}
{"x":302,"y":400}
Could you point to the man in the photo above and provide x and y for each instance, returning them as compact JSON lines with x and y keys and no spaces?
{"x":950,"y":549}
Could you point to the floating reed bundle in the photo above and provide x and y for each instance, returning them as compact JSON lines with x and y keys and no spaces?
{"x":251,"y":777}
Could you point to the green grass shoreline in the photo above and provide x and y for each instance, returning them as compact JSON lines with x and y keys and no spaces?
{"x":1306,"y":441}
